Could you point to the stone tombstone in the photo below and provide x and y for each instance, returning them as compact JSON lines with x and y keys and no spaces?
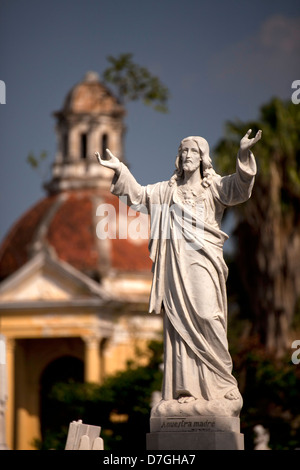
{"x":84,"y":437}
{"x":201,"y":402}
{"x":261,"y":438}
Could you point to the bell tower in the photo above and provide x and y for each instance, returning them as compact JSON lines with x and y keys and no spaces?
{"x":90,"y":120}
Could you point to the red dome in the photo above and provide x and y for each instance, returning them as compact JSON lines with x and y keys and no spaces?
{"x":66,"y":222}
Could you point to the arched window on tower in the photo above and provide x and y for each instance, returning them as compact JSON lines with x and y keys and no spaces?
{"x":83,"y":146}
{"x":65,"y":146}
{"x":104,"y":145}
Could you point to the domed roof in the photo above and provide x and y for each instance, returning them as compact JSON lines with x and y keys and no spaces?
{"x":66,"y":223}
{"x":91,"y":96}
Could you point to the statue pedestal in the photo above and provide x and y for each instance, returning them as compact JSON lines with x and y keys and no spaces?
{"x":195,"y":433}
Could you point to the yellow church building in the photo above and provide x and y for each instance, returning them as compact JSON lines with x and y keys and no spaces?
{"x":73,"y":301}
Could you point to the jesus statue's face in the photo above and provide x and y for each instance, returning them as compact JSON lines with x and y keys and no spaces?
{"x":190,"y":156}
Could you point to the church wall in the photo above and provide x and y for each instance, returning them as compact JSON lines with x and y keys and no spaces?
{"x":104,"y":345}
{"x":53,"y":309}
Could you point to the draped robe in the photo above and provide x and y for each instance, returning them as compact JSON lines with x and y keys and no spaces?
{"x":189,"y":277}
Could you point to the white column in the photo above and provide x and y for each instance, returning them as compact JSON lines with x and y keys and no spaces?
{"x":10,"y":406}
{"x":3,"y":392}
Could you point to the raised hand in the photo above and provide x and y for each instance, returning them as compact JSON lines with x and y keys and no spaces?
{"x":247,"y":143}
{"x":113,"y":162}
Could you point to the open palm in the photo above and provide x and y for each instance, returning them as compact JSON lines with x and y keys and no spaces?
{"x":247,"y":143}
{"x":113,"y":162}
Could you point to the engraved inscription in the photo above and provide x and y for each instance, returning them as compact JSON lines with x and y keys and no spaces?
{"x":188,"y":425}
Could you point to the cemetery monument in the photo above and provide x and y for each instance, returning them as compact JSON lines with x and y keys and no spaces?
{"x":201,"y":401}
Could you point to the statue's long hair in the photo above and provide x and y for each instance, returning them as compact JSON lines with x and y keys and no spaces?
{"x":206,"y":168}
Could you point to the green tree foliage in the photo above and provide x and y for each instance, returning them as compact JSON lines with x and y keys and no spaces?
{"x":35,"y":161}
{"x":268,"y":225}
{"x":121,"y":405}
{"x":270,"y":390}
{"x":133,"y":82}
{"x":38,"y":163}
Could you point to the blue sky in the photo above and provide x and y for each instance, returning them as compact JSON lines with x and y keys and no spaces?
{"x":221,"y":60}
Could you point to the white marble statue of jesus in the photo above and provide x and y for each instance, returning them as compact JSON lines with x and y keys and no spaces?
{"x":189,"y":272}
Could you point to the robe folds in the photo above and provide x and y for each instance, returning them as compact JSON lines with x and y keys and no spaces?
{"x":189,"y":276}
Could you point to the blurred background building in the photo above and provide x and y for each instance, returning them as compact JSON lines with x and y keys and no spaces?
{"x":73,"y":305}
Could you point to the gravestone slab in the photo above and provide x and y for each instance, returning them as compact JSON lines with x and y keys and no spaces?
{"x":84,"y":437}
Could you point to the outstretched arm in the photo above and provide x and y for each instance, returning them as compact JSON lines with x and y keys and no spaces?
{"x":246,"y":143}
{"x":236,"y":188}
{"x":124,"y":183}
